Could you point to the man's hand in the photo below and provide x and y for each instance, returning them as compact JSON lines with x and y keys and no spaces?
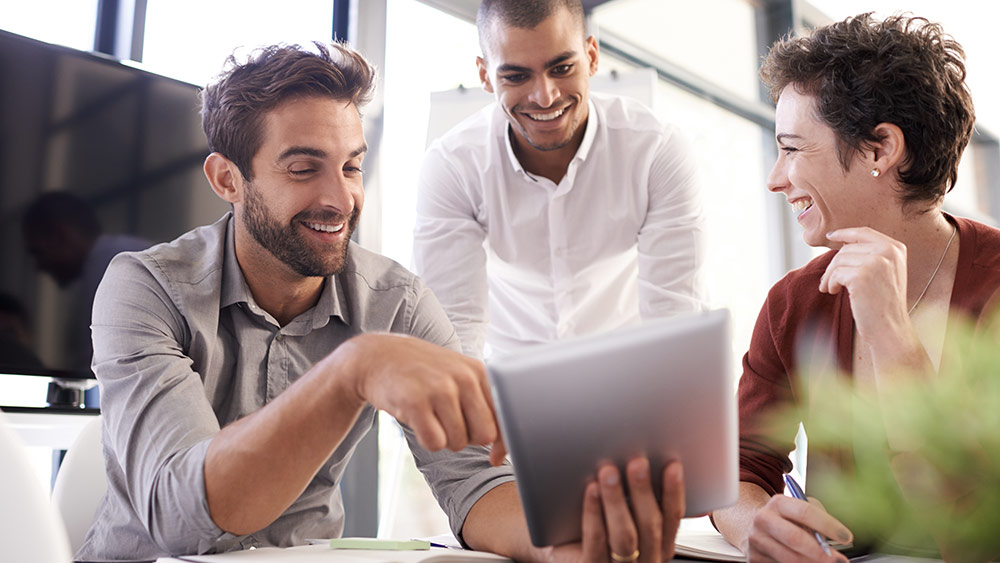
{"x":442,"y":395}
{"x":783,"y":529}
{"x":614,"y":532}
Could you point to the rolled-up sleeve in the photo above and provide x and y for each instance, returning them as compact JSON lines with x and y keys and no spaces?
{"x":157,"y":419}
{"x":457,"y":479}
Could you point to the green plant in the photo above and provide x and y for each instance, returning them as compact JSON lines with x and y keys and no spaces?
{"x":915,"y":464}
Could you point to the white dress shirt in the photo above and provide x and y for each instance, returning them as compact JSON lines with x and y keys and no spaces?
{"x":618,"y":239}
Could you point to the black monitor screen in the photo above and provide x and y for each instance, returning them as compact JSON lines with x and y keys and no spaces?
{"x":127,"y":147}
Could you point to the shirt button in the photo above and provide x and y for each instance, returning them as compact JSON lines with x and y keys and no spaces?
{"x":280,"y":337}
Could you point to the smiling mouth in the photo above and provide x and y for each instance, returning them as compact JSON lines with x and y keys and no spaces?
{"x":800,"y":205}
{"x":549,"y":116}
{"x":324,"y":228}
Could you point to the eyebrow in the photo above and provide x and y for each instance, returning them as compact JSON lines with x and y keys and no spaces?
{"x":557,"y":60}
{"x":780,"y":137}
{"x":316,"y":153}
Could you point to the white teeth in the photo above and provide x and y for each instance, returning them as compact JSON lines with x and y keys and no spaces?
{"x":547,"y":116}
{"x":802,"y":204}
{"x":325,"y":228}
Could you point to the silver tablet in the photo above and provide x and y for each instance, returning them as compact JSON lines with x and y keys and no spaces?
{"x":664,"y":388}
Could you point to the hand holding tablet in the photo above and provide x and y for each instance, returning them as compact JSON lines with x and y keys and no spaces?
{"x":662,"y":391}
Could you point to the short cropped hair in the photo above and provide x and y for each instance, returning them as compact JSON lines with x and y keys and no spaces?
{"x":234,"y":105}
{"x":902,"y":70}
{"x":523,"y":14}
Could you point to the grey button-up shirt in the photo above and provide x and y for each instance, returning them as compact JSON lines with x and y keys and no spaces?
{"x":181,"y":349}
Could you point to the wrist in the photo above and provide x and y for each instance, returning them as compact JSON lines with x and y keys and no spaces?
{"x":346,"y":370}
{"x":899,"y":354}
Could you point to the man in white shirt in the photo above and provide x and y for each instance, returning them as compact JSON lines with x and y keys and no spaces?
{"x":567,"y":213}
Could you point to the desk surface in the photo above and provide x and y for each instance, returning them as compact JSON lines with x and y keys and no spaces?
{"x":323,"y":553}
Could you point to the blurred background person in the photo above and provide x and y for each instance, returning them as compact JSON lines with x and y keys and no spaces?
{"x":16,"y":346}
{"x":64,"y":236}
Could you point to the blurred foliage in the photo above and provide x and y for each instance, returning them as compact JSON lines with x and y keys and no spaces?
{"x":923,"y":469}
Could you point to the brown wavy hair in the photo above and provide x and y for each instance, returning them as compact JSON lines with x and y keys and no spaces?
{"x":233,"y":106}
{"x":902,"y":70}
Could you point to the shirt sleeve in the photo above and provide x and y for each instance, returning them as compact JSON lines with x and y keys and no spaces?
{"x":671,"y":239}
{"x":158,"y":422}
{"x":457,"y":479}
{"x":764,"y":388}
{"x":448,"y":248}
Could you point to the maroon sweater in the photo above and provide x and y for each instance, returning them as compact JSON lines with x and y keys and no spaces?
{"x":796,"y":317}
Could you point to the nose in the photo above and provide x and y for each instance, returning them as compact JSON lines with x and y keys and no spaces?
{"x":544,"y":92}
{"x":341,"y":194}
{"x":777,"y":180}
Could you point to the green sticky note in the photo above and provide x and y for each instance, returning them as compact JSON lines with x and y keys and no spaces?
{"x":375,"y":543}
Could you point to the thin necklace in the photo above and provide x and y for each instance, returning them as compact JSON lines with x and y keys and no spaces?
{"x":938,"y":267}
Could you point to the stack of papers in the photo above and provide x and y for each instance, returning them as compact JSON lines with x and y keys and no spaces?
{"x":706,"y":544}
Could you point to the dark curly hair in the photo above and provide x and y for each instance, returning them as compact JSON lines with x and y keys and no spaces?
{"x":234,"y":105}
{"x":903,"y":70}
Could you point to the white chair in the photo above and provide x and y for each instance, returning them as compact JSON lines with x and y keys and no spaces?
{"x":81,"y":483}
{"x":30,"y":529}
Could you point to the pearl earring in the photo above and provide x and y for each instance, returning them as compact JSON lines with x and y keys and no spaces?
{"x":876,"y":172}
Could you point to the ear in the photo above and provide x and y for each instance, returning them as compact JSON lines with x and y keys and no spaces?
{"x":590,"y":46}
{"x":889,"y":151}
{"x":484,"y":75}
{"x":225,"y":177}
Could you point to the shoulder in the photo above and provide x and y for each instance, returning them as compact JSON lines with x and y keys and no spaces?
{"x":473,"y":134}
{"x":797,"y":295}
{"x":977,"y":280}
{"x":624,"y":115}
{"x":629,"y":129}
{"x":376,"y":272}
{"x":382,"y":295}
{"x":984,"y":239}
{"x":186,"y":260}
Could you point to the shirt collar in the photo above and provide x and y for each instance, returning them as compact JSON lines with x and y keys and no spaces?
{"x":581,"y":153}
{"x":235,"y":291}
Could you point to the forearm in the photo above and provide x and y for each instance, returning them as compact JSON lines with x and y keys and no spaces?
{"x":897,"y":352}
{"x":735,"y":522}
{"x":898,"y":358}
{"x":276,"y":451}
{"x":496,"y":523}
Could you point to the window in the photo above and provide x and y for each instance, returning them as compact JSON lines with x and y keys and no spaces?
{"x":713,"y":39}
{"x":74,"y":27}
{"x":445,"y":58}
{"x":190,"y":39}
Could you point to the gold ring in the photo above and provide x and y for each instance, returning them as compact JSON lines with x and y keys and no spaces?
{"x":624,"y":558}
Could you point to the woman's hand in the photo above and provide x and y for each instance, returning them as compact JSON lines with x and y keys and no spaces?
{"x":872,"y":268}
{"x":783,"y":529}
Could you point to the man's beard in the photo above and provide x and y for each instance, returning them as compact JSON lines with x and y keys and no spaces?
{"x":288,"y":244}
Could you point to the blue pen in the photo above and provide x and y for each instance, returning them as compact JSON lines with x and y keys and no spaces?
{"x":796,"y":491}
